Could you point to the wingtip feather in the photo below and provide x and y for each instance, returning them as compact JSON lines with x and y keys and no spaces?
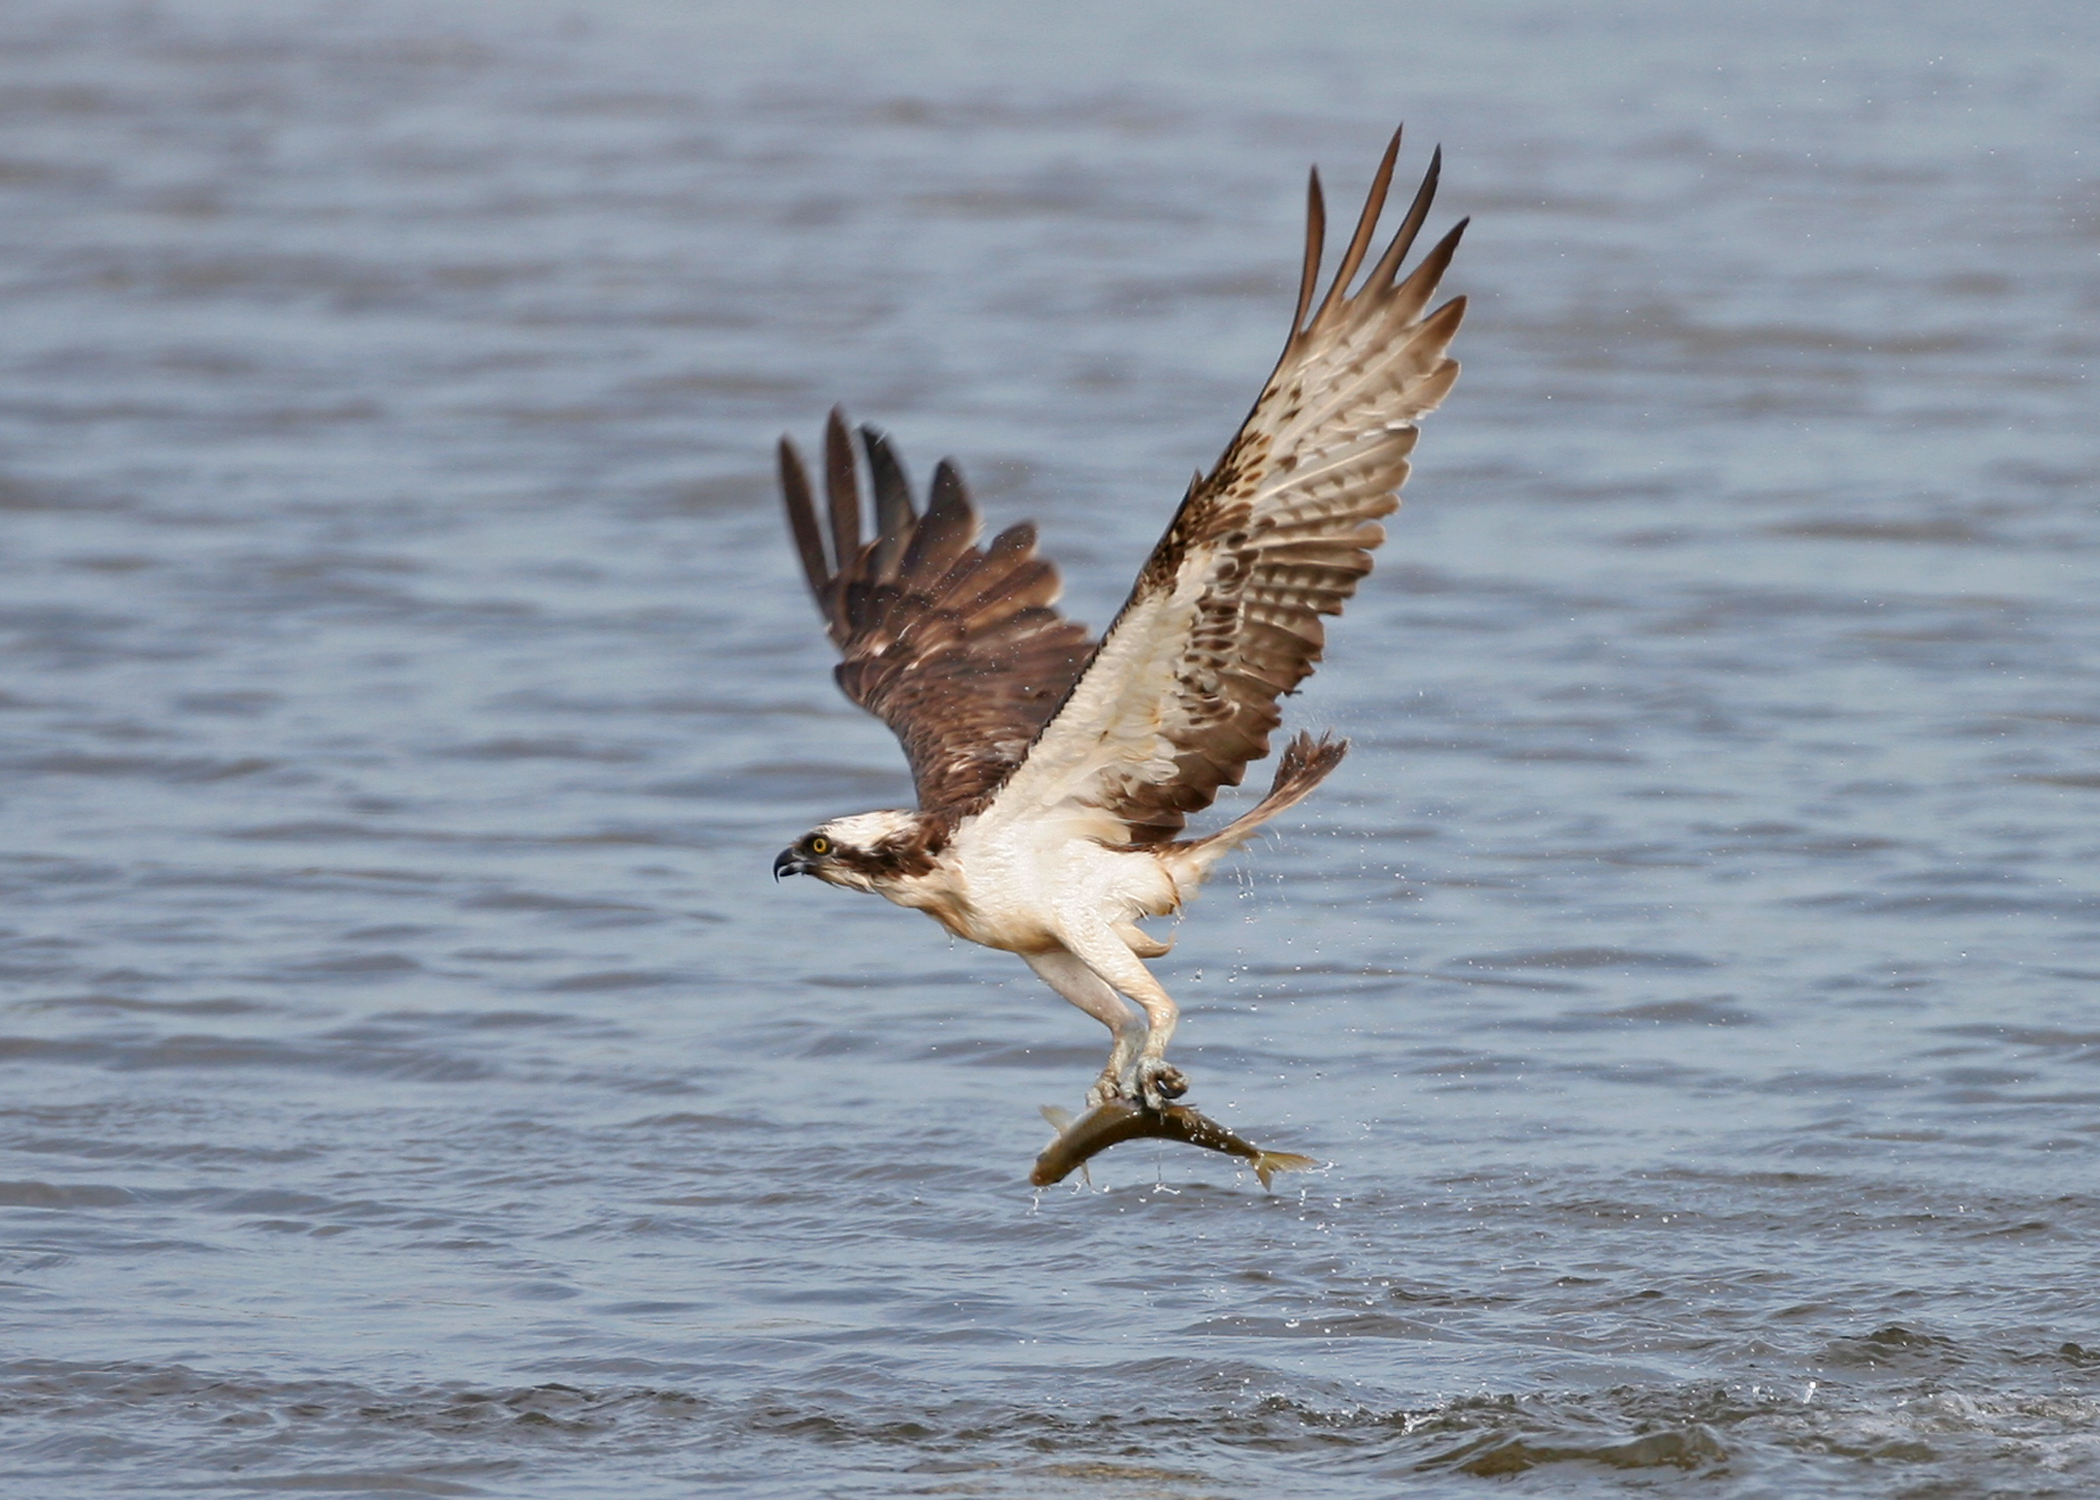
{"x":894,"y":516}
{"x":1366,"y":226}
{"x":842,"y":489}
{"x":1410,"y":226}
{"x":802,"y":516}
{"x":1315,"y":244}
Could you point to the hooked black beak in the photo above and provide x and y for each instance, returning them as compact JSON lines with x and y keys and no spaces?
{"x":789,"y":863}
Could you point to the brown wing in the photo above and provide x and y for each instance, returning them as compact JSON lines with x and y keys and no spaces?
{"x":957,"y":648}
{"x":1225,"y":617}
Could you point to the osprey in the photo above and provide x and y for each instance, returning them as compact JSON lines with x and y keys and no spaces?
{"x":1054,"y":772}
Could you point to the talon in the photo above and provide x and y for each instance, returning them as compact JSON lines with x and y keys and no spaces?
{"x":1161,"y":1082}
{"x":1106,"y":1088}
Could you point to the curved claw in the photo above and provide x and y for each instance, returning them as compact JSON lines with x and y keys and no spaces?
{"x":1161,"y":1082}
{"x":1108,"y":1086}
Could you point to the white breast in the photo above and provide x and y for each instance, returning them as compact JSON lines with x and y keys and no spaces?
{"x":1019,"y":884}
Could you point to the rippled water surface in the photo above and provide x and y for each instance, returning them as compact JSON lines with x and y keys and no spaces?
{"x":411,"y":1080}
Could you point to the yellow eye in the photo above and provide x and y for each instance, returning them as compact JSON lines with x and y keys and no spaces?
{"x":820,"y":845}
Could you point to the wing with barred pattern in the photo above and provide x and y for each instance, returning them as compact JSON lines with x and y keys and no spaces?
{"x":957,"y":648}
{"x":1181,"y":693}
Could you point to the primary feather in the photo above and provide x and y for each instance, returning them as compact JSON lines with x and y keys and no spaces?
{"x":958,"y":649}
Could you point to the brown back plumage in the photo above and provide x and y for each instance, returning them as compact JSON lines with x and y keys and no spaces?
{"x":958,"y":649}
{"x":1225,"y":616}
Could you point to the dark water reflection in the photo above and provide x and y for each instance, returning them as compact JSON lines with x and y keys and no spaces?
{"x":410,"y":1081}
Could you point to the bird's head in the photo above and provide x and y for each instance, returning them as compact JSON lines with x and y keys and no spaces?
{"x":861,"y":853}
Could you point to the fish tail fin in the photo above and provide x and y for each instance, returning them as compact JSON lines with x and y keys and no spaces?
{"x":1269,"y":1163}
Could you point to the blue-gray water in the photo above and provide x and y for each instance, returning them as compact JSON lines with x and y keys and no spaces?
{"x":411,"y":1081}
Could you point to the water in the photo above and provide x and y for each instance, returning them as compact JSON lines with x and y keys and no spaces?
{"x":410,"y":1080}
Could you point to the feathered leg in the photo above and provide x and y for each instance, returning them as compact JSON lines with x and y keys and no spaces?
{"x":1154,"y":1079}
{"x":1079,"y":984}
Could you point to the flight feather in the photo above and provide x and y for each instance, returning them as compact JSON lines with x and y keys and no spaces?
{"x":958,"y":648}
{"x":1225,"y":617}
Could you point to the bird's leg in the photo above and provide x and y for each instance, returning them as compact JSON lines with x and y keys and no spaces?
{"x":1084,"y":988}
{"x":1154,"y":1080}
{"x":1111,"y":1085}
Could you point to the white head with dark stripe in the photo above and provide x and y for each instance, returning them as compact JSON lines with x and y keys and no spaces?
{"x":863,"y":852}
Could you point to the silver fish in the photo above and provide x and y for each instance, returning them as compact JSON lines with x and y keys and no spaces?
{"x":1119,"y":1120}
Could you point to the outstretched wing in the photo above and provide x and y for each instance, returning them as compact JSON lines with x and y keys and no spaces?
{"x":1225,"y":617}
{"x":955,"y":647}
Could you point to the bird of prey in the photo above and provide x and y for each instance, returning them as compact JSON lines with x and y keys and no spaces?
{"x":1053,"y":771}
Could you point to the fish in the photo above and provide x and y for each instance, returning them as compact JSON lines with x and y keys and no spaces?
{"x":1121,"y":1120}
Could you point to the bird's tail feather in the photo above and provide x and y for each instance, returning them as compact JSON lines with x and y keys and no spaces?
{"x":1304,"y":765}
